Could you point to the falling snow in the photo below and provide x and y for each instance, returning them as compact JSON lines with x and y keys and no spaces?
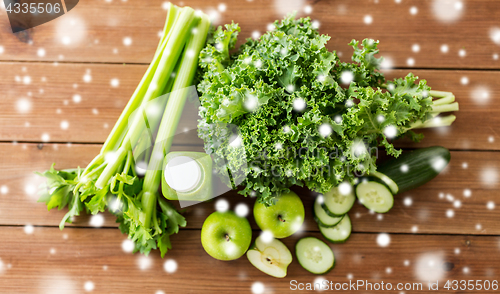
{"x":64,"y":125}
{"x":325,"y":130}
{"x":222,"y":7}
{"x":97,"y":220}
{"x":438,"y":164}
{"x":88,"y":286}
{"x":127,"y":41}
{"x":299,"y":104}
{"x":347,"y":77}
{"x":383,"y":240}
{"x":144,"y":262}
{"x":258,"y":288}
{"x":221,"y":205}
{"x":283,"y":7}
{"x":408,"y":201}
{"x":467,"y":193}
{"x":23,"y":105}
{"x":45,"y":137}
{"x":270,"y":27}
{"x":489,"y":177}
{"x":368,"y":19}
{"x":345,"y":188}
{"x":170,"y":266}
{"x":429,"y":266}
{"x":29,"y":229}
{"x":115,"y":82}
{"x":387,"y":63}
{"x":480,"y":95}
{"x":128,"y":246}
{"x":447,"y":11}
{"x":390,"y":132}
{"x":87,"y":78}
{"x":266,"y":236}
{"x":444,"y":48}
{"x":413,"y":10}
{"x":251,"y":103}
{"x":241,"y":210}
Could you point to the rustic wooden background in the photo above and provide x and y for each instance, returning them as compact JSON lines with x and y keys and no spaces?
{"x":57,"y":104}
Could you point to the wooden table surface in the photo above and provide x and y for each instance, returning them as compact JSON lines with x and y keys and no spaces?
{"x":57,"y":104}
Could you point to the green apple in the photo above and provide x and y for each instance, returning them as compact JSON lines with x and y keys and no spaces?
{"x":283,"y":218}
{"x":225,"y":235}
{"x":270,"y":256}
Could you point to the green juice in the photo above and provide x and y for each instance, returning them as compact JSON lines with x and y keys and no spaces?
{"x":187,"y":176}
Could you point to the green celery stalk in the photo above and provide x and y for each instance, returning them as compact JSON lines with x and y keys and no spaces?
{"x":118,"y":132}
{"x":172,"y":115}
{"x":171,"y":53}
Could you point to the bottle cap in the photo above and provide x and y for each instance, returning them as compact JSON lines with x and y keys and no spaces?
{"x":182,"y":173}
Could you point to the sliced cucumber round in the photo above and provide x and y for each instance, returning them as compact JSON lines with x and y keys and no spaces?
{"x":337,"y":204}
{"x":375,"y":196}
{"x":340,"y":233}
{"x":322,"y":218}
{"x":314,"y":255}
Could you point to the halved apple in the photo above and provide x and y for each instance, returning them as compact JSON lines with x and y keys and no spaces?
{"x":270,"y":256}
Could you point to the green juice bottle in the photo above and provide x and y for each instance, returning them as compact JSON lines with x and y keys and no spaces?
{"x":187,"y":176}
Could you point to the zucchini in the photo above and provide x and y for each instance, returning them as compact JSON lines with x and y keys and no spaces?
{"x":321,"y":217}
{"x":314,"y":255}
{"x":413,"y":169}
{"x":340,"y":233}
{"x":336,"y":204}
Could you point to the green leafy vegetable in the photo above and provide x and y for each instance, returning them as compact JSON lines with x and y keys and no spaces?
{"x":305,"y":117}
{"x":110,"y":181}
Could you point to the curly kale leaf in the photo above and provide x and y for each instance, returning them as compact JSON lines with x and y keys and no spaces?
{"x":301,"y":123}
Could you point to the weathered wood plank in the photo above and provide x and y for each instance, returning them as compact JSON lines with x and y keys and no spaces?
{"x":425,"y":212}
{"x":46,"y":106}
{"x":65,"y":262}
{"x":95,"y":30}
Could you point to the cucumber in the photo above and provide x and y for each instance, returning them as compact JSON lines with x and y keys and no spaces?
{"x":340,"y":233}
{"x":413,"y":169}
{"x":314,"y":255}
{"x":335,"y":204}
{"x":321,"y":217}
{"x":375,"y":196}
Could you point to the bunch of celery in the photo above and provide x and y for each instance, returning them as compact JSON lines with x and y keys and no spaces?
{"x":111,"y":179}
